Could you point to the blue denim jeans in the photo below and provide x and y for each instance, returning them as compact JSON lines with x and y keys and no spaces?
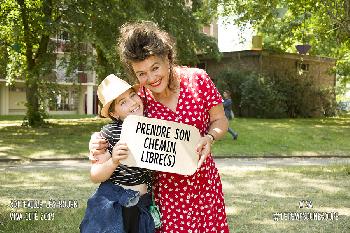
{"x":232,"y":132}
{"x":104,"y":210}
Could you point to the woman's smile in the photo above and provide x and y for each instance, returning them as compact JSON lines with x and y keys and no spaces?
{"x":156,"y":83}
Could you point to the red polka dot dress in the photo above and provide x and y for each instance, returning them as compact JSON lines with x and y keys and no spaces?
{"x":190,"y":203}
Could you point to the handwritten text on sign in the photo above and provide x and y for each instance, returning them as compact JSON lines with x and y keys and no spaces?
{"x":160,"y":145}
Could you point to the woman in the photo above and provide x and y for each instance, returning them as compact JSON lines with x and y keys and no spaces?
{"x":187,"y":95}
{"x":228,"y":112}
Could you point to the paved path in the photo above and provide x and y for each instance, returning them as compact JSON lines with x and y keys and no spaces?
{"x":280,"y":161}
{"x":240,"y":163}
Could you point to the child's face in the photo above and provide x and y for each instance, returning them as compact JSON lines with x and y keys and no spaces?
{"x":128,"y":103}
{"x":225,"y":94}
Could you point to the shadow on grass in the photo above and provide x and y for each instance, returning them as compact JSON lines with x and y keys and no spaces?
{"x":62,"y":139}
{"x":43,"y":185}
{"x":252,"y":198}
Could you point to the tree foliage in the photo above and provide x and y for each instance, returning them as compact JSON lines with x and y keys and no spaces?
{"x":325,"y":25}
{"x":99,"y":22}
{"x":333,"y":16}
{"x":27,"y":52}
{"x":25,"y":31}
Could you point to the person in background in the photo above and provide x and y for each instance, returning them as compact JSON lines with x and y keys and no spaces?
{"x":186,"y":95}
{"x":229,"y":113}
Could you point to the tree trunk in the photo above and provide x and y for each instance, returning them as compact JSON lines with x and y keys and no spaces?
{"x":34,"y":115}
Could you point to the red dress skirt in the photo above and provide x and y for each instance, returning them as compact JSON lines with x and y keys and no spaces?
{"x":190,"y":203}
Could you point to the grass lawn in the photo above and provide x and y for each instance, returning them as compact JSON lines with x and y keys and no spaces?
{"x":252,"y":196}
{"x":62,"y":138}
{"x":287,"y":137}
{"x":19,"y":118}
{"x":68,"y":137}
{"x":43,"y":185}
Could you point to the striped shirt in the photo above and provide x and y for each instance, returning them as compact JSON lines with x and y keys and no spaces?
{"x":123,"y":174}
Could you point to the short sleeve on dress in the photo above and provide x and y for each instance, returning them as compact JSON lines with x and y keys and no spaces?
{"x":208,"y":90}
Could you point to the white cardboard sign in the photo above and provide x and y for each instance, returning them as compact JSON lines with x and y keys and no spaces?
{"x":160,"y":145}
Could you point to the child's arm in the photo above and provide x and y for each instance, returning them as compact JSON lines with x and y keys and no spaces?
{"x":104,"y":166}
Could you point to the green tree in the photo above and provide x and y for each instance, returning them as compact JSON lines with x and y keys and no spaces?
{"x":100,"y":22}
{"x":325,"y":25}
{"x":25,"y":29}
{"x":27,"y":51}
{"x":333,"y":15}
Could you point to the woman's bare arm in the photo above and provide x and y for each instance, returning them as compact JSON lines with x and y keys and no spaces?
{"x":217,"y":128}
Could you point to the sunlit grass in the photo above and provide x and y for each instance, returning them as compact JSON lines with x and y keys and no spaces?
{"x":252,"y":196}
{"x":21,"y":117}
{"x":287,"y":137}
{"x":44,"y":184}
{"x":69,"y":137}
{"x":61,"y":138}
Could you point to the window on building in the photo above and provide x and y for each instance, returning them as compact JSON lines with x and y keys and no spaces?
{"x":17,"y":89}
{"x":82,"y":77}
{"x":302,"y":67}
{"x":63,"y":35}
{"x":64,"y":100}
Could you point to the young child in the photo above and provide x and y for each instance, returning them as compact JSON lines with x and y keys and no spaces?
{"x":229,"y":113}
{"x":126,"y":187}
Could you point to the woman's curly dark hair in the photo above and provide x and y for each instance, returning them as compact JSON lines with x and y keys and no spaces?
{"x":139,"y":40}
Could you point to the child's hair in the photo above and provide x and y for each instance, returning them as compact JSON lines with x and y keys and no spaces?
{"x":111,"y":109}
{"x":228,"y":92}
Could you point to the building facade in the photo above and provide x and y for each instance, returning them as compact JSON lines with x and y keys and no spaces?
{"x":270,"y":64}
{"x":75,"y":94}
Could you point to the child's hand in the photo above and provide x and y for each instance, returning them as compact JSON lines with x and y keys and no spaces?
{"x":120,"y":151}
{"x":97,"y":146}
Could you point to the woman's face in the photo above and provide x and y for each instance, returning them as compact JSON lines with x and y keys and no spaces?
{"x":128,"y":103}
{"x":153,"y":73}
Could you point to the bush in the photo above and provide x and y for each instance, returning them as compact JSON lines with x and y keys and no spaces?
{"x":231,"y":80}
{"x":260,"y":99}
{"x":328,"y":101}
{"x":297,"y":92}
{"x":304,"y":98}
{"x":278,"y":96}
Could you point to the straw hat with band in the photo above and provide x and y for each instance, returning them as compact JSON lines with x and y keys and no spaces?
{"x":109,"y":89}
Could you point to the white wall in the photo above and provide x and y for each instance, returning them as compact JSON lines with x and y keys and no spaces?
{"x":4,"y":100}
{"x":232,"y":38}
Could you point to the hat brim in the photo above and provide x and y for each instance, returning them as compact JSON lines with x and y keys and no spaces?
{"x":105,"y":109}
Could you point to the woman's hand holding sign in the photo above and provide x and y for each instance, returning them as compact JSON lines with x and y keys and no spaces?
{"x":203,"y":149}
{"x":218,"y":122}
